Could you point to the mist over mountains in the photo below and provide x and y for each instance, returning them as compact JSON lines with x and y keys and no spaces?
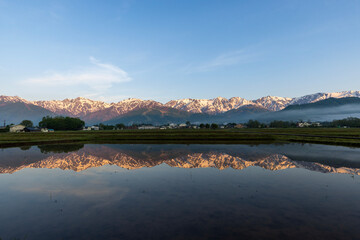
{"x":318,"y":106}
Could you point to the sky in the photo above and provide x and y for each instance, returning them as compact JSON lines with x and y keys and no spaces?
{"x":168,"y":49}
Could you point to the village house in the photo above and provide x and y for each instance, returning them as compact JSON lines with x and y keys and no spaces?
{"x":17,"y":128}
{"x":316,"y":124}
{"x":92,"y":128}
{"x":172,"y":125}
{"x":32,"y":129}
{"x":146,"y":127}
{"x":303,"y":124}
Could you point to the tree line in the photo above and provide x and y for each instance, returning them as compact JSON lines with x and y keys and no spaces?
{"x":68,"y":123}
{"x":61,"y":123}
{"x":347,"y":122}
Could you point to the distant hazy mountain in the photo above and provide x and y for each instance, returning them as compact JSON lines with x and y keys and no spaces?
{"x":15,"y":112}
{"x":323,"y":110}
{"x":134,"y":110}
{"x":327,"y":103}
{"x":322,"y":96}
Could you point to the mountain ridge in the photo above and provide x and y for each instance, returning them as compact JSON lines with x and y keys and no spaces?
{"x":93,"y":111}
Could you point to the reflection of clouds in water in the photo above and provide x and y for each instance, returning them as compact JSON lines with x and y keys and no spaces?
{"x":93,"y":189}
{"x":95,"y":193}
{"x":103,"y":169}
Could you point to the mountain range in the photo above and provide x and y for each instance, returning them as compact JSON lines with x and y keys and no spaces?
{"x":132,"y":110}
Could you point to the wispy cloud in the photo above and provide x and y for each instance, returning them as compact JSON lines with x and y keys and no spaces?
{"x":99,"y":76}
{"x":225,"y":59}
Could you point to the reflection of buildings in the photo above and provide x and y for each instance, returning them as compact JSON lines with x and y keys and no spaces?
{"x":96,"y":156}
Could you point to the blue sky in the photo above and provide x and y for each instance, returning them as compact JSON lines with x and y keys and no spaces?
{"x":162,"y":50}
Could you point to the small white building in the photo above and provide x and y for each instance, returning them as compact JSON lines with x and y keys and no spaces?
{"x":172,"y":125}
{"x":17,"y":128}
{"x":147,"y":127}
{"x":94,"y":128}
{"x":316,"y":124}
{"x":303,"y":124}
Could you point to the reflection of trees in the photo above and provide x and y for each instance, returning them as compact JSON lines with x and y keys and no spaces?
{"x":60,"y":148}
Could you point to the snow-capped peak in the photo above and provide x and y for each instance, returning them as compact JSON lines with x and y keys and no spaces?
{"x":75,"y":107}
{"x":12,"y":99}
{"x":273,"y":103}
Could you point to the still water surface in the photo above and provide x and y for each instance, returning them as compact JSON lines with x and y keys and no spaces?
{"x":289,"y":191}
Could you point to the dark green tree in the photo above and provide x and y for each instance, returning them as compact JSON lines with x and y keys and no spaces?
{"x":347,"y":122}
{"x":27,"y":123}
{"x":62,"y":123}
{"x":120,"y":126}
{"x":214,"y":126}
{"x":253,"y":124}
{"x":6,"y":129}
{"x":106,"y":127}
{"x":281,"y":124}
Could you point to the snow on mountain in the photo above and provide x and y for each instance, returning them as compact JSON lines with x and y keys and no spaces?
{"x":121,"y":108}
{"x":102,"y":111}
{"x":75,"y":107}
{"x":131,"y":104}
{"x":273,"y":103}
{"x":322,"y":96}
{"x":220,"y":105}
{"x":210,"y":106}
{"x":12,"y":99}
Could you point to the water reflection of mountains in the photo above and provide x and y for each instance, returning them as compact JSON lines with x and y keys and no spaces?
{"x":80,"y":157}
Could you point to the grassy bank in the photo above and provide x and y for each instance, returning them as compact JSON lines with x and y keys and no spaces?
{"x":348,"y":137}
